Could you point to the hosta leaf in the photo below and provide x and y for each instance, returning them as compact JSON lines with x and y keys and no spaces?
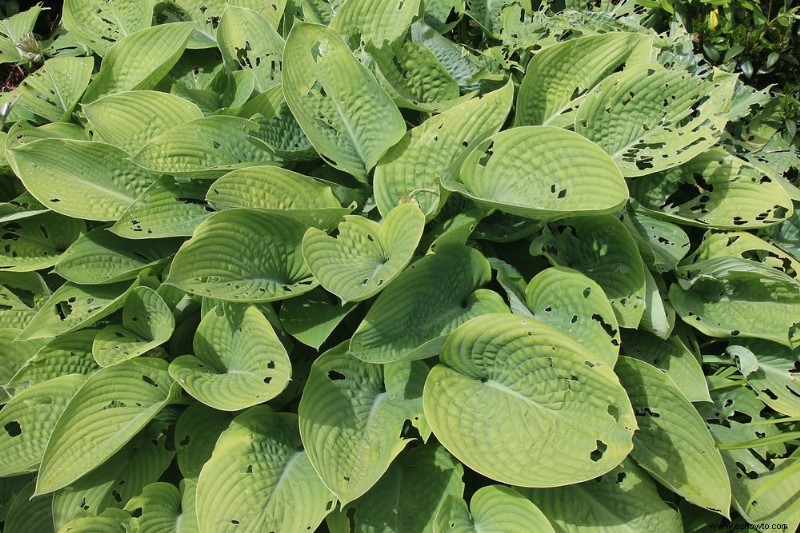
{"x":206,"y":147}
{"x":412,"y":167}
{"x":243,"y":255}
{"x":130,"y":119}
{"x":101,"y":257}
{"x":53,"y":91}
{"x":603,"y":250}
{"x":492,"y":508}
{"x":576,"y":305}
{"x":21,"y":296}
{"x":112,"y":406}
{"x":376,"y":22}
{"x":260,"y":479}
{"x":170,"y":207}
{"x":775,"y":380}
{"x":277,"y":127}
{"x":672,"y":357}
{"x":147,"y":322}
{"x":109,"y":521}
{"x":518,"y":380}
{"x":247,"y":41}
{"x":101,"y":23}
{"x":672,"y":443}
{"x":159,"y":505}
{"x":15,"y":354}
{"x":365,"y":256}
{"x":412,"y":317}
{"x":407,"y":497}
{"x":239,"y":360}
{"x":196,"y":432}
{"x":659,"y":315}
{"x":335,"y":100}
{"x":541,"y":172}
{"x":651,"y":119}
{"x":28,"y":419}
{"x":352,"y":415}
{"x":623,"y":500}
{"x":36,"y":242}
{"x":140,"y":60}
{"x":661,"y":244}
{"x":716,"y":190}
{"x":80,"y":179}
{"x":24,"y":132}
{"x":23,"y":206}
{"x":742,"y":245}
{"x":69,"y":353}
{"x":558,"y":77}
{"x":457,"y":59}
{"x":312,"y":317}
{"x":73,"y":307}
{"x":123,"y":475}
{"x":787,"y":235}
{"x":29,"y":514}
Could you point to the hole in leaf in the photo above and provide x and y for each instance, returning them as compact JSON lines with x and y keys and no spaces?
{"x":598,"y":452}
{"x":13,"y":429}
{"x":333,"y":375}
{"x":149,"y":381}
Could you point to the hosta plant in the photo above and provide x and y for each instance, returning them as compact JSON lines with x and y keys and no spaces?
{"x":368,"y":265}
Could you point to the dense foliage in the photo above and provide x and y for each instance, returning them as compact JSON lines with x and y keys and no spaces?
{"x":376,"y":265}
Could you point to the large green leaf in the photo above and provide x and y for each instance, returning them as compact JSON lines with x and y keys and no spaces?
{"x":312,"y":317}
{"x":29,"y":514}
{"x":492,"y":508}
{"x":243,"y":255}
{"x":101,"y":23}
{"x":661,"y":244}
{"x":21,"y":296}
{"x":651,"y":119}
{"x":432,"y":297}
{"x":28,"y":419}
{"x":512,"y":393}
{"x":714,"y":189}
{"x":335,"y":100}
{"x":130,"y":119}
{"x":377,"y":22}
{"x":238,"y":360}
{"x":80,"y":179}
{"x":352,"y":415}
{"x":109,"y":521}
{"x":69,"y":353}
{"x":158,"y":508}
{"x":558,"y":78}
{"x":247,"y":41}
{"x":102,"y":257}
{"x":775,"y":377}
{"x":739,"y":244}
{"x":196,"y":432}
{"x":576,"y":305}
{"x":140,"y":60}
{"x":672,"y":442}
{"x":112,"y":406}
{"x":407,"y":498}
{"x":53,"y":91}
{"x":622,"y":501}
{"x":147,"y":322}
{"x":15,"y":354}
{"x":541,"y":172}
{"x":601,"y":248}
{"x":412,"y":168}
{"x":365,"y":256}
{"x":37,"y":242}
{"x":260,"y":479}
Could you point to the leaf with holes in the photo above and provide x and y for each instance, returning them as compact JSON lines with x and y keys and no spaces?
{"x":540,"y":172}
{"x":243,"y":255}
{"x":513,"y":376}
{"x":69,"y":353}
{"x":335,"y":99}
{"x":196,"y":431}
{"x":352,"y":417}
{"x":432,"y":297}
{"x":158,"y":508}
{"x":101,"y":23}
{"x":672,"y":443}
{"x":377,"y":22}
{"x":238,"y":360}
{"x":37,"y":242}
{"x":53,"y":91}
{"x":576,"y":305}
{"x":661,"y":244}
{"x":247,"y":41}
{"x":312,"y":317}
{"x":147,"y":322}
{"x":113,"y":405}
{"x":775,"y":379}
{"x":365,"y":256}
{"x":21,"y":296}
{"x":259,"y":469}
{"x":492,"y":508}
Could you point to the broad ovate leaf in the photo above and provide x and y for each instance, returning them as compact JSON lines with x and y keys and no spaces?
{"x":248,"y":42}
{"x":147,"y":322}
{"x":112,"y":406}
{"x":492,"y":508}
{"x":541,"y":172}
{"x":377,"y":22}
{"x":243,"y":255}
{"x":365,"y":256}
{"x":558,"y":77}
{"x":412,"y":168}
{"x":54,"y":90}
{"x":259,"y":478}
{"x":432,"y":297}
{"x":775,"y":379}
{"x":196,"y":432}
{"x":37,"y":242}
{"x":336,"y":99}
{"x":238,"y":360}
{"x":511,"y":393}
{"x":352,"y":415}
{"x":69,"y":353}
{"x":672,"y":442}
{"x":662,"y":244}
{"x":312,"y":317}
{"x":130,"y":119}
{"x":80,"y":179}
{"x":575,"y":304}
{"x":101,"y":23}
